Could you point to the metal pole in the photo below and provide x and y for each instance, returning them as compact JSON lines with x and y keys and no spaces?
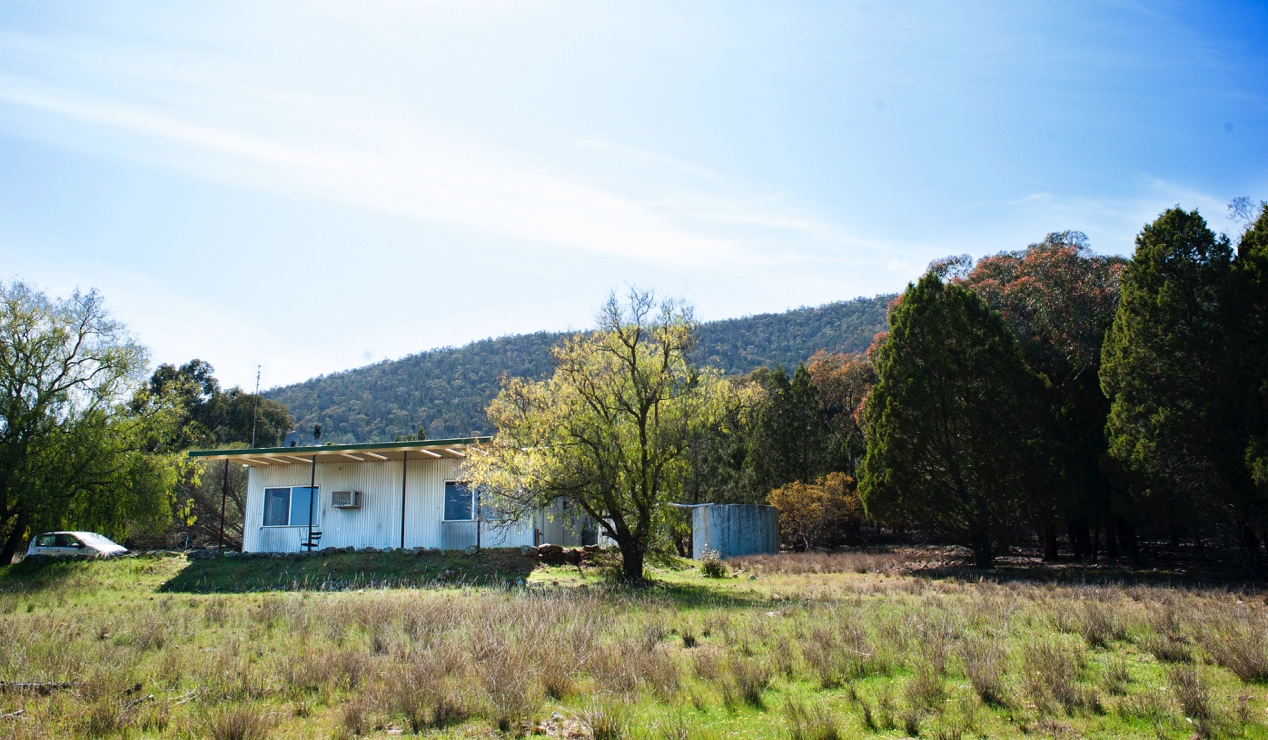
{"x":224,"y":496}
{"x":255,"y":409}
{"x":312,"y":485}
{"x":404,"y":458}
{"x":476,"y":492}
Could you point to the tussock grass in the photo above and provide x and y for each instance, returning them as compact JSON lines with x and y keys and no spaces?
{"x":810,"y":648}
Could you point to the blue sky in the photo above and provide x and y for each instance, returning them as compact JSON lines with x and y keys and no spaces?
{"x":314,"y":186}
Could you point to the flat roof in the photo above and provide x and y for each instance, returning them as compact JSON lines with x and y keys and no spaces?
{"x":424,"y":449}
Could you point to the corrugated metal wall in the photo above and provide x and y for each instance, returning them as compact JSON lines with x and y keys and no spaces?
{"x":378,"y":522}
{"x":731,"y":530}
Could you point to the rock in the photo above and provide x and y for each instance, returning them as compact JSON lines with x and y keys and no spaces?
{"x":233,"y":554}
{"x":549,"y":549}
{"x":471,"y":550}
{"x":573,"y":557}
{"x":525,"y":549}
{"x":370,"y":549}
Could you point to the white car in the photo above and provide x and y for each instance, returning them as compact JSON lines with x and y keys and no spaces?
{"x":73,"y":543}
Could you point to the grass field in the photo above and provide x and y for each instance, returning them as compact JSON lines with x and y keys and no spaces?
{"x":789,"y":646}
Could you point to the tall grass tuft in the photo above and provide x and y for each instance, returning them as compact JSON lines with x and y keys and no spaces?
{"x":985,"y":661}
{"x":810,"y":721}
{"x":237,"y":722}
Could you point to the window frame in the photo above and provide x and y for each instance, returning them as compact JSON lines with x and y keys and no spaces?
{"x":444,"y":512}
{"x":290,"y":506}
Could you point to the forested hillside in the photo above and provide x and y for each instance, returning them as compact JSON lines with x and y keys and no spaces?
{"x":446,"y":390}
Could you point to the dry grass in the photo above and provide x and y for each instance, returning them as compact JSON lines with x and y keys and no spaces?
{"x":824,"y":562}
{"x":792,"y":653}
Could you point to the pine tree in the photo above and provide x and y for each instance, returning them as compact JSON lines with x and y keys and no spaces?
{"x":1169,"y":369}
{"x":955,"y":423}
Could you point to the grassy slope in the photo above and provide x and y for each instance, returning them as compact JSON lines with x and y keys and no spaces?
{"x":672,"y":660}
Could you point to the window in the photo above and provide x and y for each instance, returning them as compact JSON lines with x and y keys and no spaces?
{"x":459,"y":502}
{"x":68,"y":540}
{"x":289,"y":507}
{"x":46,"y":540}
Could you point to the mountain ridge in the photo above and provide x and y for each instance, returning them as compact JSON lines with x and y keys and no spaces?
{"x":446,"y":389}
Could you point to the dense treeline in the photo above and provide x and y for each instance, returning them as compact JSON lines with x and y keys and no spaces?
{"x":1050,"y":393}
{"x":446,"y":391}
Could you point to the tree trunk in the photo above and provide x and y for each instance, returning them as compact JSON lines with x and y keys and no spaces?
{"x":631,"y":562}
{"x":1049,"y":535}
{"x":1127,"y":538}
{"x":982,"y":556}
{"x":14,"y":539}
{"x":1250,"y":545}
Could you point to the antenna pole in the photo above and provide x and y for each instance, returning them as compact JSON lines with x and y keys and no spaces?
{"x":255,"y":411}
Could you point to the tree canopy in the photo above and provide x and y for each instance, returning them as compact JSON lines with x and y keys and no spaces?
{"x":72,"y":450}
{"x":954,"y":423}
{"x":609,"y":430}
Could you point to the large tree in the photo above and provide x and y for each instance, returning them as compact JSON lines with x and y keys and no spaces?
{"x":1170,"y":372}
{"x":214,"y":416}
{"x":789,"y":439}
{"x":610,"y":429}
{"x":208,"y":416}
{"x":72,"y":451}
{"x":1247,"y":309}
{"x":1059,"y":299}
{"x":955,"y":422}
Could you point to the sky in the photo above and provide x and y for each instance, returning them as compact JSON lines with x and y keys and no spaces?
{"x":307,"y":187}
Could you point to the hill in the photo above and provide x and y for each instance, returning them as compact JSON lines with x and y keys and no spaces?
{"x":446,"y":389}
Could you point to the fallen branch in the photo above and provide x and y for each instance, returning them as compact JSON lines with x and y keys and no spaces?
{"x":43,"y":689}
{"x":13,"y":715}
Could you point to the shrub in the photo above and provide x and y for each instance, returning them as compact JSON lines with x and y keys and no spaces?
{"x":819,"y":514}
{"x":712,"y":566}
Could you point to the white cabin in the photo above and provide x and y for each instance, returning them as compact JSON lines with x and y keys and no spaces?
{"x":390,"y":495}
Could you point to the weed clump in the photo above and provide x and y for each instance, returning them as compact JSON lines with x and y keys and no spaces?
{"x":711,"y":566}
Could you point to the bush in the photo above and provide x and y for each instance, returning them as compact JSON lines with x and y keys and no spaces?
{"x":820,"y":514}
{"x":712,"y":566}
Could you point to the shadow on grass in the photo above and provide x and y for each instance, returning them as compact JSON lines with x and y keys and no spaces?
{"x":351,"y":571}
{"x":33,"y":576}
{"x":1080,"y":575}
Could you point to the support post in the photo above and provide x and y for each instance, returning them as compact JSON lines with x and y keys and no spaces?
{"x":224,"y":497}
{"x":404,"y":460}
{"x":312,"y":486}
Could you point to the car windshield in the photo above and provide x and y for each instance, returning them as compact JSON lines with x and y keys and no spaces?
{"x":96,"y":540}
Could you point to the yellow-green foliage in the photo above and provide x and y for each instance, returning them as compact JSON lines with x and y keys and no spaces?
{"x":803,"y":646}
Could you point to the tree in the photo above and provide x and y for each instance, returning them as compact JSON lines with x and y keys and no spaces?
{"x":790,"y":439}
{"x":824,"y":513}
{"x":843,"y":382}
{"x":216,"y":417}
{"x":1248,"y":314}
{"x":71,"y":450}
{"x":609,"y":431}
{"x":208,"y":416}
{"x":954,"y":423}
{"x":1059,"y":299}
{"x":1170,"y":372}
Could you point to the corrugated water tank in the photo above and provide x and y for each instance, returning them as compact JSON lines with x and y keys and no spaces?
{"x":732,"y":530}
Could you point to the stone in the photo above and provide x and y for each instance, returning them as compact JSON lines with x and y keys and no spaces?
{"x":472,"y":550}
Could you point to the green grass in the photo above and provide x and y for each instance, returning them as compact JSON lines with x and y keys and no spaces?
{"x":453,"y":646}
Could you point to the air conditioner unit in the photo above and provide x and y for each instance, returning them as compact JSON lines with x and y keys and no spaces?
{"x":345,"y":499}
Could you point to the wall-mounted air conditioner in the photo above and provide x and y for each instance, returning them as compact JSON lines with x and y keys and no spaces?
{"x":345,"y":499}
